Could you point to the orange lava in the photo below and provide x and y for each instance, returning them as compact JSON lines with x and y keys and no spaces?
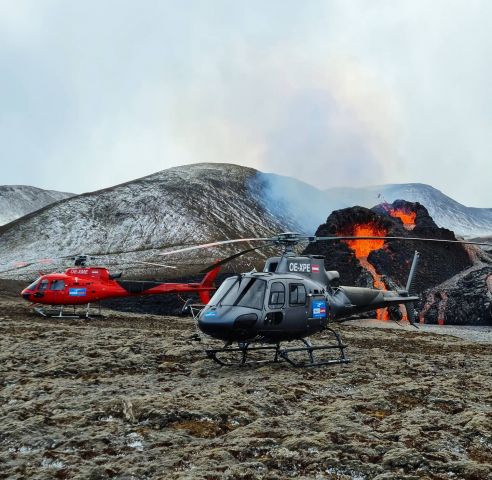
{"x":381,"y":313}
{"x":408,"y":218}
{"x":362,"y":249}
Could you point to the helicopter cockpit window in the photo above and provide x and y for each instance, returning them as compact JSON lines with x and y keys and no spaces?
{"x":222,"y":290}
{"x":43,"y":285}
{"x":245,"y":292}
{"x":57,"y":285}
{"x":297,"y":294}
{"x":277,"y":295}
{"x":33,"y":285}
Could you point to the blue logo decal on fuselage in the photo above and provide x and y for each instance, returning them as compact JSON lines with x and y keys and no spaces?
{"x":319,"y":309}
{"x":210,"y":314}
{"x":77,"y":292}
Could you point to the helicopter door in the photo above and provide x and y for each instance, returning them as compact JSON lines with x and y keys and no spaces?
{"x":43,"y":285}
{"x":296,"y":315}
{"x":57,"y":290}
{"x":276,"y":305}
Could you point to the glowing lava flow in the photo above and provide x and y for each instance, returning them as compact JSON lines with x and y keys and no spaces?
{"x":362,"y":249}
{"x":407,"y":217}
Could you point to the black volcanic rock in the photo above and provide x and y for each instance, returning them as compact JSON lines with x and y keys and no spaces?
{"x":338,"y":256}
{"x":438,"y":262}
{"x":423,"y":221}
{"x":465,"y":299}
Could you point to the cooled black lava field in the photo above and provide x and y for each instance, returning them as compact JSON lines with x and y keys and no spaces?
{"x":132,"y":397}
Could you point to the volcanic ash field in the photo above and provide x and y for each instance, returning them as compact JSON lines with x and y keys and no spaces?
{"x":133,"y":397}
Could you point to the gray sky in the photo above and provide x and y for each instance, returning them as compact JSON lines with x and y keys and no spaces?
{"x":335,"y":93}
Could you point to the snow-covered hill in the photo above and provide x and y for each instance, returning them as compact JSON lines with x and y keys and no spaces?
{"x":134,"y":221}
{"x":194,"y":204}
{"x":19,"y":200}
{"x":445,"y":211}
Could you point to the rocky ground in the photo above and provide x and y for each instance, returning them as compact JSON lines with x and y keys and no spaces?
{"x":132,"y":397}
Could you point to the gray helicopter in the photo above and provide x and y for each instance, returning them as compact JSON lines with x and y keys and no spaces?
{"x":293,"y":298}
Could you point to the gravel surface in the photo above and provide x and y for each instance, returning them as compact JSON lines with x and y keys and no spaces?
{"x":479,"y":334}
{"x":132,"y":397}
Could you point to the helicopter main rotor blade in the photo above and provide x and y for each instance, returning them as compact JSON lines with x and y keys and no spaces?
{"x":156,"y":264}
{"x":232,"y":257}
{"x":46,"y":261}
{"x":214,"y":244}
{"x":439,"y":240}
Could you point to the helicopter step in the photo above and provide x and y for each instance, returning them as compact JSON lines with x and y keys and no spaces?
{"x":285,"y":354}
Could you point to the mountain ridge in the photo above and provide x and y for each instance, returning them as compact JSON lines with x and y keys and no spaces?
{"x":446,"y":212}
{"x":19,"y":200}
{"x":198,"y":203}
{"x":185,"y":205}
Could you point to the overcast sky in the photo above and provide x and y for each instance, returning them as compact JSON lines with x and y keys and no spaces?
{"x":336,"y":93}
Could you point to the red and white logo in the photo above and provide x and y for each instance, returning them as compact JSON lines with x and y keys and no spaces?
{"x":315,"y":268}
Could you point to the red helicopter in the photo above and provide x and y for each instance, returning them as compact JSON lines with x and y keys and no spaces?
{"x":83,"y":285}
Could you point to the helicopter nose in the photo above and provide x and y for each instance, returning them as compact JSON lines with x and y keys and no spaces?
{"x":214,"y":325}
{"x":25,"y":294}
{"x":225,"y":326}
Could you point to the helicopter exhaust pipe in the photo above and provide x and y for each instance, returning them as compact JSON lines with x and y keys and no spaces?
{"x":409,"y":307}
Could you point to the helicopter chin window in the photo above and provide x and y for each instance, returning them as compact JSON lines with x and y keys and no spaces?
{"x":245,"y":321}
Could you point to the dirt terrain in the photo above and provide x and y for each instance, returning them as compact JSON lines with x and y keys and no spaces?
{"x":132,"y":397}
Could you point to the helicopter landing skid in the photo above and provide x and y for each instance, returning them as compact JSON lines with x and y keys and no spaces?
{"x":60,"y":313}
{"x":280,"y":354}
{"x":55,"y":314}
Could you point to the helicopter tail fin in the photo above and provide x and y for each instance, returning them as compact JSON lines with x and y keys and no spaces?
{"x":409,"y":307}
{"x":413,"y":269}
{"x":208,"y":285}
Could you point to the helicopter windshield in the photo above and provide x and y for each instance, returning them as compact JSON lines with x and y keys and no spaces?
{"x":241,"y":292}
{"x":224,"y":287}
{"x":33,"y":284}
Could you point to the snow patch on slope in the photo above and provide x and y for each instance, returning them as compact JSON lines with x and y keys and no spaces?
{"x":180,"y":206}
{"x":19,"y":200}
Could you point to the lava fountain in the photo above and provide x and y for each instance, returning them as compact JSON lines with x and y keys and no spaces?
{"x":406,"y":216}
{"x":362,"y":249}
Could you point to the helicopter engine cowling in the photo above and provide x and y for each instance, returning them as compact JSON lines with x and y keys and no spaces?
{"x":310,"y":266}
